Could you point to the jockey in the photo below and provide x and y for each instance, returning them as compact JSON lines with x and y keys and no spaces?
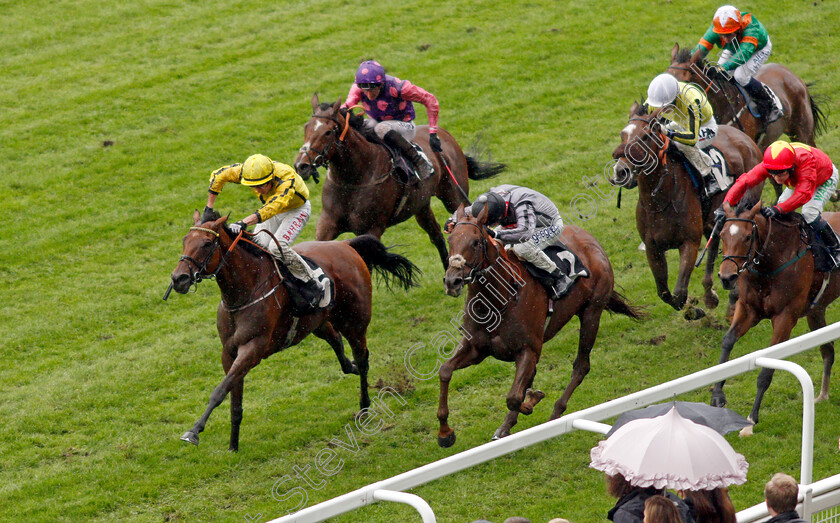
{"x":691,"y":122}
{"x":529,"y":223}
{"x":388,"y":105}
{"x":746,"y":46}
{"x":810,"y":179}
{"x":284,"y":212}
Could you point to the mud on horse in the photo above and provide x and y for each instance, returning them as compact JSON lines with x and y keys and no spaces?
{"x":669,"y":213}
{"x":254,"y":318}
{"x":506,"y":310}
{"x":774,"y":270}
{"x":362,"y":193}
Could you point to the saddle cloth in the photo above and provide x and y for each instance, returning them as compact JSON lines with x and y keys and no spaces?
{"x":822,"y":258}
{"x":566,"y":260}
{"x":721,"y":177}
{"x":300,"y":306}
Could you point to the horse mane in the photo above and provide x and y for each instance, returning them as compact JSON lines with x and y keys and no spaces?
{"x":641,"y":110}
{"x":249,"y":247}
{"x":683,"y":55}
{"x":745,"y":204}
{"x":357,"y":122}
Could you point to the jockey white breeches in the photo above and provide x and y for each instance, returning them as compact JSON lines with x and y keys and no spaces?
{"x":812,"y":209}
{"x":745,"y":72}
{"x":705,"y":136}
{"x":406,"y":129}
{"x":531,"y":248}
{"x":286,"y":227}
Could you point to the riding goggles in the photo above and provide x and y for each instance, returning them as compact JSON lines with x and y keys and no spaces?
{"x":368,"y":86}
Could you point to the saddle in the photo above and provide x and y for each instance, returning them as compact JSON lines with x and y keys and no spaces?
{"x":403,"y":169}
{"x":822,"y":256}
{"x":299,"y":293}
{"x":752,"y":106}
{"x":568,"y":263}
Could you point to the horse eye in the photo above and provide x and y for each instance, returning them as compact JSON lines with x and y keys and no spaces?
{"x":475,"y":243}
{"x":206,"y":244}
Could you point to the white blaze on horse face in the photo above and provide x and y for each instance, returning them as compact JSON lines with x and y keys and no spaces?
{"x":304,"y":148}
{"x":733,"y":229}
{"x":457,"y":261}
{"x":627,"y":132}
{"x":318,"y":125}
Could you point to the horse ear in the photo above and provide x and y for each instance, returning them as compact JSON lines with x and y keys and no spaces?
{"x":315,"y":102}
{"x":459,"y":213}
{"x":674,"y":51}
{"x":634,"y":108}
{"x":727,"y":208}
{"x":755,"y":209}
{"x":337,"y":105}
{"x":696,"y":58}
{"x":482,"y":216}
{"x":196,"y":218}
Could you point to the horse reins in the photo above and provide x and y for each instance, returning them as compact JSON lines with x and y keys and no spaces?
{"x":753,"y":253}
{"x":475,"y":269}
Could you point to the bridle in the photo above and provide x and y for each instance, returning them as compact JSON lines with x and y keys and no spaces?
{"x":475,"y":268}
{"x":662,"y":159}
{"x":323,"y":156}
{"x":200,"y":273}
{"x":749,"y":258}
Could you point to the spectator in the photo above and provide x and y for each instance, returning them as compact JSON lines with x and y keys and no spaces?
{"x":559,"y":520}
{"x":780,"y":494}
{"x":630,"y":506}
{"x":710,"y":506}
{"x":659,"y":509}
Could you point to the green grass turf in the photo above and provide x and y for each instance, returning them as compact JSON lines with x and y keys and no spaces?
{"x":101,"y":377}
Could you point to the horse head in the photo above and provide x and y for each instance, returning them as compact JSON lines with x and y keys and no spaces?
{"x":468,"y":244}
{"x":322,"y":135}
{"x":739,"y":239}
{"x":202,"y":253}
{"x":640,"y":147}
{"x":689,"y":67}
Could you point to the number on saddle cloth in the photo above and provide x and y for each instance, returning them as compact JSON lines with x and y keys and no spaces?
{"x":565,"y":259}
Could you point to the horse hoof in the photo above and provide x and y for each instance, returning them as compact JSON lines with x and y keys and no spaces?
{"x":821,"y":398}
{"x":694,"y":313}
{"x":746,"y":432}
{"x":448,"y":441}
{"x":718,"y":401}
{"x":499,"y":434}
{"x":711,"y":300}
{"x":353,"y":369}
{"x":190,"y":437}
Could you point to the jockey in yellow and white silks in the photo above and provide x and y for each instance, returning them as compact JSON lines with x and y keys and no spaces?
{"x":284,"y":212}
{"x":691,"y":121}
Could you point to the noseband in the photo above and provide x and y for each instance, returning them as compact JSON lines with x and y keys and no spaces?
{"x":749,"y":258}
{"x":475,"y":268}
{"x":323,"y":156}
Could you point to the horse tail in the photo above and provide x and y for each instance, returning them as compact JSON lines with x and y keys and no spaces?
{"x":390,"y":266}
{"x":620,"y":305}
{"x":820,"y":121}
{"x":477,"y":170}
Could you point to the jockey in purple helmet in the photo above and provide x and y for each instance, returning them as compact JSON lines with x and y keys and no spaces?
{"x":387,"y":101}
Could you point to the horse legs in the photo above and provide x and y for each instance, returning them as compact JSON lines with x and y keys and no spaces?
{"x":782,"y":326}
{"x":816,"y":320}
{"x":235,"y":413}
{"x":745,"y":318}
{"x":358,"y":342}
{"x":710,"y":297}
{"x":590,"y":321}
{"x":659,"y":268}
{"x":327,"y":228}
{"x":464,"y":357}
{"x":328,"y":333}
{"x":526,"y":369}
{"x":426,"y":218}
{"x":236,"y":373}
{"x":688,"y":255}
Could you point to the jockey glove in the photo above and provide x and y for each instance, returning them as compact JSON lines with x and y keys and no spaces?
{"x":238,"y":226}
{"x":771,"y":212}
{"x":490,"y":232}
{"x":434,"y":141}
{"x":449,"y":225}
{"x":720,"y":215}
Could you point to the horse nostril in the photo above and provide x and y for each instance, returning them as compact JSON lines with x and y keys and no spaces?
{"x":181,"y":280}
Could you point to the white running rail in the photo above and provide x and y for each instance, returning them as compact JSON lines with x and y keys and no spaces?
{"x":588,"y":419}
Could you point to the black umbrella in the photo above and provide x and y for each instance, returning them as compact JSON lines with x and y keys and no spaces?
{"x":721,"y":419}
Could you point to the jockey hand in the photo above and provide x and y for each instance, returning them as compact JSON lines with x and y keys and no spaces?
{"x":238,"y":226}
{"x":449,"y":225}
{"x":434,"y":141}
{"x":207,"y":215}
{"x":771,"y":212}
{"x":490,"y":232}
{"x":720,"y":214}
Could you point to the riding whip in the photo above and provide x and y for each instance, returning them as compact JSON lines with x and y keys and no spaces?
{"x":711,"y":236}
{"x":461,"y":190}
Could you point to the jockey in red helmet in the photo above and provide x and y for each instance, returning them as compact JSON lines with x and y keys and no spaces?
{"x":810,"y":179}
{"x":746,"y":46}
{"x":387,"y":101}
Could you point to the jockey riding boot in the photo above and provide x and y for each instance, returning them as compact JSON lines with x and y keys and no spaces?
{"x":396,"y":140}
{"x":829,"y":238}
{"x":768,"y":103}
{"x":311,"y":289}
{"x":700,"y":160}
{"x":561,"y":284}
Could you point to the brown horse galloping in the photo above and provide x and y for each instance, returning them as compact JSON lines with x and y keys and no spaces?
{"x":802,"y":120}
{"x":669,"y":214}
{"x":361,"y":195}
{"x":254,"y":320}
{"x":776,"y":278}
{"x":506,"y":309}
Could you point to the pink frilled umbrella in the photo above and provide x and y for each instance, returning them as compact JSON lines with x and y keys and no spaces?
{"x":670,"y":451}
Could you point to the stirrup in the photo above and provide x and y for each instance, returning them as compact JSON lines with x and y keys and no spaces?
{"x":560,"y":287}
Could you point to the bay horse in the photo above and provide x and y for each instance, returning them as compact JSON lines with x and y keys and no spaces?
{"x":361,"y":192}
{"x":776,"y":278}
{"x":506,"y":311}
{"x":669,"y":213}
{"x":802,"y":120}
{"x":254,"y":318}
